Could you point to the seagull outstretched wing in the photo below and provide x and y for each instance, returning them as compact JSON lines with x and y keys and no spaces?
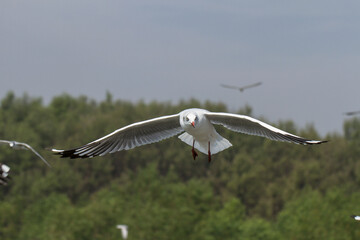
{"x":241,"y":88}
{"x":252,"y":126}
{"x":131,"y":136}
{"x":20,"y":145}
{"x":25,"y":145}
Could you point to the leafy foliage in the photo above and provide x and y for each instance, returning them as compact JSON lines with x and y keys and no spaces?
{"x":258,"y":189}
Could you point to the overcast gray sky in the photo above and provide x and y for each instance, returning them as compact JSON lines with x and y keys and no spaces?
{"x":306,"y":53}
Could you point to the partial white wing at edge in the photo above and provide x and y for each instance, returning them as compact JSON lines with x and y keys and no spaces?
{"x":36,"y":153}
{"x":4,"y":142}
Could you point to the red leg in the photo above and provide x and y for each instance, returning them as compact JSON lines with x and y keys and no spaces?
{"x":209,"y":153}
{"x":194,"y":153}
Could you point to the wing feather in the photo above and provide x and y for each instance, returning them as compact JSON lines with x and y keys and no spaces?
{"x":25,"y":145}
{"x":252,"y":126}
{"x":250,"y":86}
{"x":128,"y":137}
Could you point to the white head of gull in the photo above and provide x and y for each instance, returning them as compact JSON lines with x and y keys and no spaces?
{"x":196,"y":126}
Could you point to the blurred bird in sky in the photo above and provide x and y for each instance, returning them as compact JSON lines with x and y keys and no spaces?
{"x":24,"y":146}
{"x":352,"y":113}
{"x":196,"y":126}
{"x":241,"y":89}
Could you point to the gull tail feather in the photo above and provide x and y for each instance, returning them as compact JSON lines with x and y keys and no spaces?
{"x":217,"y":144}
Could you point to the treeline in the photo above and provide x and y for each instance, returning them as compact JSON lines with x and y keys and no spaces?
{"x":257,"y":189}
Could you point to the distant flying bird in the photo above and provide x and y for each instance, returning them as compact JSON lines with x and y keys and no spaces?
{"x":4,"y":174}
{"x":352,"y":113}
{"x":357,"y":218}
{"x":19,"y":145}
{"x":241,"y":89}
{"x":199,"y":133}
{"x":124,"y":230}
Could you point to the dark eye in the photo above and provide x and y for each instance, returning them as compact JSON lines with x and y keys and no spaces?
{"x":187,"y":119}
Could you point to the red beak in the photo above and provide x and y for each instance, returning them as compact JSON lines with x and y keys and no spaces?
{"x":193,"y":124}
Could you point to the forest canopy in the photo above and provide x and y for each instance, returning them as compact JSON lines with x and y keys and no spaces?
{"x":257,"y":189}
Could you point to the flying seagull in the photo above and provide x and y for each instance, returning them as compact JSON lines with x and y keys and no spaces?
{"x":19,"y":145}
{"x":124,"y":230}
{"x":196,"y":126}
{"x":357,"y":218}
{"x":4,"y":174}
{"x":241,"y":89}
{"x":352,"y":113}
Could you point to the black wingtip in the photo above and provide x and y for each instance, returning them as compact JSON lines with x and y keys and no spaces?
{"x":303,"y":141}
{"x":66,"y":153}
{"x":324,"y":141}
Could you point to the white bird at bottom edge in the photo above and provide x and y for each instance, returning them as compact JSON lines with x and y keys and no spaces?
{"x":196,"y":126}
{"x":124,"y":230}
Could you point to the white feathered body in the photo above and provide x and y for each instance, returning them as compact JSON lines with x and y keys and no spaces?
{"x":203,"y":133}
